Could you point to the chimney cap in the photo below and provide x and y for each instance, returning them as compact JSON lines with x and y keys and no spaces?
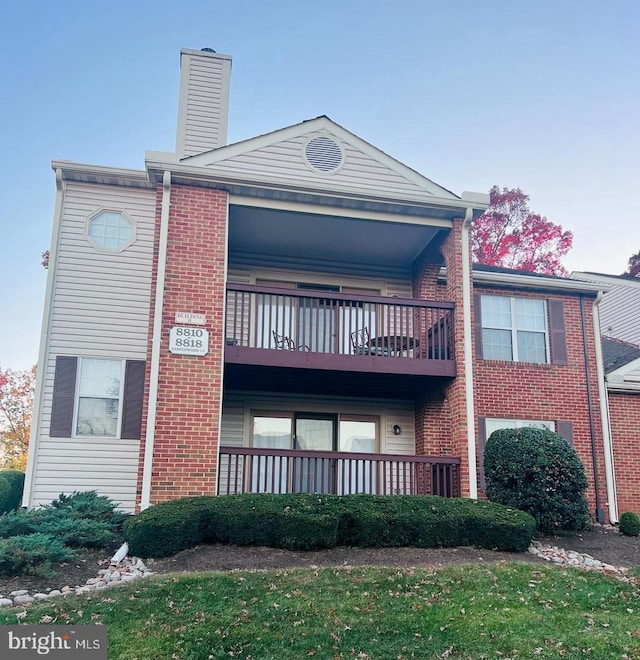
{"x":207,"y":50}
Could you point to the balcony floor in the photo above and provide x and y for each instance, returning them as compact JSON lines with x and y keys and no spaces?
{"x":327,"y":382}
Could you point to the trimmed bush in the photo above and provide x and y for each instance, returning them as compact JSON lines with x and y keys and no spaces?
{"x":537,"y":471}
{"x":32,"y":554}
{"x":5,"y":494}
{"x":630,"y":524}
{"x":15,"y":479}
{"x":310,"y":521}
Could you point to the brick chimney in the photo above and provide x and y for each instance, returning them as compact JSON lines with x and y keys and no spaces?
{"x":203,"y":106}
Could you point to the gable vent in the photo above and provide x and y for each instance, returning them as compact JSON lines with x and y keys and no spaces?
{"x":323,"y":154}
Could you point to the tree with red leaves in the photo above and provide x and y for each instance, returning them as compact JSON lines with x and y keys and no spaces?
{"x":634,"y":265}
{"x":510,"y":235}
{"x":16,"y":405}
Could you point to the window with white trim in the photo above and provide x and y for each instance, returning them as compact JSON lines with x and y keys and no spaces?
{"x":514,"y":329}
{"x":98,"y":397}
{"x":110,"y":230}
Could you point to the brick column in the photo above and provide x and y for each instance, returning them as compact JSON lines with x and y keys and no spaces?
{"x":190,"y":387}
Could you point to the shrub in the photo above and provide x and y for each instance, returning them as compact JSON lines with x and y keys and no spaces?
{"x":537,"y":471}
{"x":32,"y":554}
{"x":15,"y":479}
{"x":310,"y":521}
{"x":89,"y":505}
{"x":5,"y":494}
{"x":630,"y":524}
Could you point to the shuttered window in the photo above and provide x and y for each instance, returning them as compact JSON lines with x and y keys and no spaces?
{"x":520,"y":329}
{"x":93,"y":397}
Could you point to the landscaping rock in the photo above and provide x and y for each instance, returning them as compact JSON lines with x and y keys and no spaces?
{"x":19,"y":592}
{"x":23,"y":600}
{"x":5,"y":602}
{"x":41,"y":596}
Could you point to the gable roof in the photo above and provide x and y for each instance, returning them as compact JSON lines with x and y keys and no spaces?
{"x":279,"y":157}
{"x":616,"y":353}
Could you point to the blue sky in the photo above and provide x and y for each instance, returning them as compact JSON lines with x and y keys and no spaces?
{"x":544,"y":96}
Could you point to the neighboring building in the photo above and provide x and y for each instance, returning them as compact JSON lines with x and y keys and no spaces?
{"x":620,"y":308}
{"x":293,"y":312}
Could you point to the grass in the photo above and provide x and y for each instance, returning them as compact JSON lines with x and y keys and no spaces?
{"x":473,"y":612}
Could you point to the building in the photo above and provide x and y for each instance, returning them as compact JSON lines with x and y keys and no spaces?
{"x":296,"y":311}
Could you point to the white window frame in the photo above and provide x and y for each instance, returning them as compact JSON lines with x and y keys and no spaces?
{"x":100,"y":248}
{"x":514,"y":328}
{"x":77,"y":396}
{"x":497,"y":423}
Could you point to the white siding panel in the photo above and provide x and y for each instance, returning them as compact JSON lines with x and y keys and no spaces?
{"x":284,"y":161}
{"x":100,"y":308}
{"x":108,"y":466}
{"x":205,"y":120}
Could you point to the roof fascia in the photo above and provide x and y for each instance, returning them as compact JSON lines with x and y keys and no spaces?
{"x":542,"y":283}
{"x":614,"y":280}
{"x":77,"y":171}
{"x":329,"y":126}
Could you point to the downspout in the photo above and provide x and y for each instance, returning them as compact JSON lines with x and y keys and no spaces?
{"x":152,"y":408}
{"x":468,"y":354}
{"x":224,"y":316}
{"x":609,"y":468}
{"x":27,"y":498}
{"x":585,"y":348}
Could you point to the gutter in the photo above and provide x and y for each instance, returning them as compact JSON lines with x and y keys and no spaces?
{"x":149,"y":441}
{"x":609,"y":468}
{"x":34,"y":437}
{"x":468,"y":354}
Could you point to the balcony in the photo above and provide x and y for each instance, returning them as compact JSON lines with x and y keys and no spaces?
{"x":305,"y":329}
{"x":253,"y":470}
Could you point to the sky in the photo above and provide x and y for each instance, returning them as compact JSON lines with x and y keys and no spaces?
{"x":544,"y":96}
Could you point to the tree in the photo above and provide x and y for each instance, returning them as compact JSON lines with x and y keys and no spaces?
{"x":634,"y":265}
{"x":16,"y":405}
{"x":509,"y":234}
{"x":45,"y":259}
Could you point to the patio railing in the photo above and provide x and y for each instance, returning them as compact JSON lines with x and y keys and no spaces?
{"x":254,"y":470}
{"x":327,"y":329}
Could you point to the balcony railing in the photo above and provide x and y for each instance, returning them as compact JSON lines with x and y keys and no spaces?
{"x":253,"y":470}
{"x":328,"y":330}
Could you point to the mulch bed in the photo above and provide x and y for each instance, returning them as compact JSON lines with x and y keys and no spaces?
{"x":603,"y":543}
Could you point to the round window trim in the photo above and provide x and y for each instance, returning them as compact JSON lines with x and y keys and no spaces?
{"x":101,"y":243}
{"x":323,"y":154}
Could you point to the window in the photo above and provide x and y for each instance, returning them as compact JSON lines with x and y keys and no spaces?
{"x":514,"y":329}
{"x":97,"y":397}
{"x":110,"y":230}
{"x":98,"y":404}
{"x":497,"y":424}
{"x":313,"y":432}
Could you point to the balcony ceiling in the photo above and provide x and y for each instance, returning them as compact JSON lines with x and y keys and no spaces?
{"x":285,"y":236}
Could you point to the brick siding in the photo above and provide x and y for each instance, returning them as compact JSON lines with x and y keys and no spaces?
{"x":625,"y":431}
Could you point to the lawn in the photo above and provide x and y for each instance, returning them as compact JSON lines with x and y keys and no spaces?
{"x":481,"y":611}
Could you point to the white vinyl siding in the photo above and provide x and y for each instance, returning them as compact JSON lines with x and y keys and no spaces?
{"x":100,"y":309}
{"x":284,"y":162}
{"x":204,"y":104}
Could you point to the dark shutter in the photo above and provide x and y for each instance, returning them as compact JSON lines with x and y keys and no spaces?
{"x":133,"y":396}
{"x":477,"y":315}
{"x":557,"y":332}
{"x":482,"y":441}
{"x":64,"y":393}
{"x":565,"y":430}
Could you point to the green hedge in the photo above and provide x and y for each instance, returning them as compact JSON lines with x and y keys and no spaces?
{"x":310,"y":522}
{"x":11,"y":487}
{"x":630,"y":524}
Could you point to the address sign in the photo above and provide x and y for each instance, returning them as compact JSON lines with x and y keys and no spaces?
{"x":188,"y":341}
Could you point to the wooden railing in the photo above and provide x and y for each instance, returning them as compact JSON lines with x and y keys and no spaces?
{"x":253,"y":470}
{"x":337,"y":325}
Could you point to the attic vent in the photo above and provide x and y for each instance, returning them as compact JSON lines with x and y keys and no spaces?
{"x":323,"y":154}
